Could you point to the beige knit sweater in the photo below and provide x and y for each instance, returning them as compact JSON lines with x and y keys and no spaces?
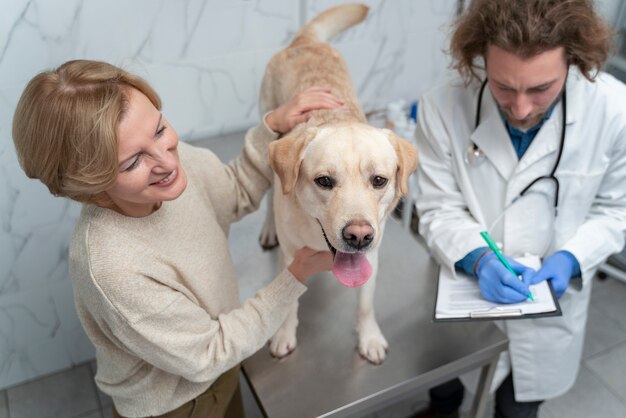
{"x":158,"y":296}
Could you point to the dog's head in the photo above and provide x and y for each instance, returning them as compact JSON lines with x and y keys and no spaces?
{"x":348,"y":177}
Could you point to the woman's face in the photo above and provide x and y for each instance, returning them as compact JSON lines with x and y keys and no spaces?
{"x":149,"y":168}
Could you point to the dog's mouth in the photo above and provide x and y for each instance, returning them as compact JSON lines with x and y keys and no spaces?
{"x":351,"y":269}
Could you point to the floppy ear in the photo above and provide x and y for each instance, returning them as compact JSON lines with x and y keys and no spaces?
{"x":286,"y":156}
{"x":407,"y":160}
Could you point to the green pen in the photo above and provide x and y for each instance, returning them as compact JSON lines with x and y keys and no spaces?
{"x":498,"y":254}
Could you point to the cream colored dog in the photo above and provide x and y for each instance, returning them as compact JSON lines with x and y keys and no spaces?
{"x":337,"y":178}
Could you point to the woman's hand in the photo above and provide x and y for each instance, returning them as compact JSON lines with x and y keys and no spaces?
{"x":299,"y":108}
{"x":307,"y":262}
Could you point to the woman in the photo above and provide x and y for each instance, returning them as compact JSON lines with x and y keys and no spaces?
{"x":153,"y":280}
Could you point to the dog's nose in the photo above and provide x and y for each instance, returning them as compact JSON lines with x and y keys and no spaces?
{"x":358,"y":235}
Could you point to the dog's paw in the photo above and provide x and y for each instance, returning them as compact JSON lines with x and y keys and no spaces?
{"x":372,"y":343}
{"x":283,"y":343}
{"x":268,"y":238}
{"x":373,"y":348}
{"x":268,"y":243}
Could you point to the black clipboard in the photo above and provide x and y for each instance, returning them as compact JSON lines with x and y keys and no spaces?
{"x":503,"y":313}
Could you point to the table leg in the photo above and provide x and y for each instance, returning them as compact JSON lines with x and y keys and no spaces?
{"x":409,"y":203}
{"x":482,"y":390}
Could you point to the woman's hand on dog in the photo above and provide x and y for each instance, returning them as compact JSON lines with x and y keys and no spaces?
{"x":299,"y":108}
{"x":307,"y":262}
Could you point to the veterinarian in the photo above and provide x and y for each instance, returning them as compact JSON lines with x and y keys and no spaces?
{"x":153,"y":279}
{"x":530,"y":143}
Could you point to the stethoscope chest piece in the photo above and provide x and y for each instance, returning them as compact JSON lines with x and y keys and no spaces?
{"x":474,"y":155}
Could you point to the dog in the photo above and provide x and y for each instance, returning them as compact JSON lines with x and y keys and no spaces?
{"x":336,"y":178}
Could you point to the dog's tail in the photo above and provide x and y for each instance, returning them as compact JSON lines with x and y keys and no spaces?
{"x":330,"y":23}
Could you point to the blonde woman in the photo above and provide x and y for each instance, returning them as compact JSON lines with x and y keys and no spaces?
{"x":153,"y":280}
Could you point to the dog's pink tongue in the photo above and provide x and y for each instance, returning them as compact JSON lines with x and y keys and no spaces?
{"x":352,"y":269}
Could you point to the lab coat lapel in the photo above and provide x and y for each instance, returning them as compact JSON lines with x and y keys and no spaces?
{"x":493,"y":139}
{"x":546,"y":142}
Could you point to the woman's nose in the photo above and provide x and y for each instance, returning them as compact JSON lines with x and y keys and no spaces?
{"x":165,"y":157}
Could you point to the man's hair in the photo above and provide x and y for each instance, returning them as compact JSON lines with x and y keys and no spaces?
{"x":528,"y":27}
{"x":65,"y":127}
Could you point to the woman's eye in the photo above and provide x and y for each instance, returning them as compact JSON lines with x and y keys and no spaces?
{"x":324,"y":182}
{"x":379,"y":182}
{"x":159,"y":133}
{"x":134,"y":164}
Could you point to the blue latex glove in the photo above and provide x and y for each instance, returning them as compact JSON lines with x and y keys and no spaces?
{"x":498,"y":284}
{"x":560,"y":267}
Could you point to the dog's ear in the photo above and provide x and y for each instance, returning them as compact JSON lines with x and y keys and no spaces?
{"x":286,"y":156}
{"x":407,"y":160}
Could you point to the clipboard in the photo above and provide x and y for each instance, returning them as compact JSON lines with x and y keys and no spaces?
{"x":473,"y":307}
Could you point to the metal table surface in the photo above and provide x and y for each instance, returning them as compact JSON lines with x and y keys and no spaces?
{"x":325,"y":376}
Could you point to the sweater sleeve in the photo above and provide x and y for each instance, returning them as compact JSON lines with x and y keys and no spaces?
{"x":236,"y":189}
{"x":183,"y":339}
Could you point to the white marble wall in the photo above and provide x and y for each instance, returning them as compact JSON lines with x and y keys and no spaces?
{"x":206,"y":59}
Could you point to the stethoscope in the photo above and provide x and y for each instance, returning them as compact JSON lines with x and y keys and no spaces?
{"x":474,"y":155}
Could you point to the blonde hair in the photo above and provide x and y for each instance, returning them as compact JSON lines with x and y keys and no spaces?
{"x":529,"y":27}
{"x":65,"y":127}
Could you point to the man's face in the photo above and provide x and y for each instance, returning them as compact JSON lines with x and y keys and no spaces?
{"x":525,"y":88}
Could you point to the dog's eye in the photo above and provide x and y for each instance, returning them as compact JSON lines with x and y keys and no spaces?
{"x":325,"y":182}
{"x":379,"y":182}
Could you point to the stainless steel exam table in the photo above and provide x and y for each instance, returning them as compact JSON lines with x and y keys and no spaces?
{"x":326,"y":377}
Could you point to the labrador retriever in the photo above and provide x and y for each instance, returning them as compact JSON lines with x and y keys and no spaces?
{"x":337,"y":178}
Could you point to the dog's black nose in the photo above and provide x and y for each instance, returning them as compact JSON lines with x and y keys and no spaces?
{"x":358,"y":235}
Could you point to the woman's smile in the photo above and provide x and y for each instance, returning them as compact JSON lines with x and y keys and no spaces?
{"x":168,"y":180}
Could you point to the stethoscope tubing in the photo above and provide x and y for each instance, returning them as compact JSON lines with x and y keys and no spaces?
{"x":561,"y":145}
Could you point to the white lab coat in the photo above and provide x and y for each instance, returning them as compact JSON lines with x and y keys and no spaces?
{"x":456,"y":201}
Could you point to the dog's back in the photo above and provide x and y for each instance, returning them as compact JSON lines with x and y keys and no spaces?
{"x":309,"y":61}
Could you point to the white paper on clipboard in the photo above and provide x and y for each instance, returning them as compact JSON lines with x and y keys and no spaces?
{"x":460,"y":298}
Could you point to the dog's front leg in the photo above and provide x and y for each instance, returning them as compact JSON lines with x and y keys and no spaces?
{"x":372,"y":343}
{"x":284,"y":341}
{"x":268,"y":238}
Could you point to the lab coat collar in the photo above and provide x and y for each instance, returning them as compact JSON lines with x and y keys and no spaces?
{"x":547,"y":140}
{"x":575,"y":91}
{"x":493,"y":139}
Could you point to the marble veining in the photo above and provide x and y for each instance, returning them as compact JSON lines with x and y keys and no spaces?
{"x":206,"y":59}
